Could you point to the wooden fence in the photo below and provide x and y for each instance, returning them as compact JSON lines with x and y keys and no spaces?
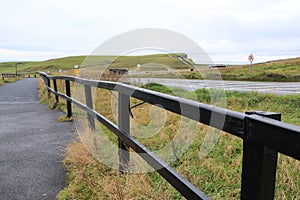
{"x":263,"y":135}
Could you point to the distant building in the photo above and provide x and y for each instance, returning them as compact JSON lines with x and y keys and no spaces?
{"x":118,"y":71}
{"x":216,"y":66}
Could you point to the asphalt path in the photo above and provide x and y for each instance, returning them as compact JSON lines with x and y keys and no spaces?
{"x":31,"y":144}
{"x":278,"y":88}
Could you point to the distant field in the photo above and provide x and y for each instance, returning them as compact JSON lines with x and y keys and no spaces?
{"x":156,"y":66}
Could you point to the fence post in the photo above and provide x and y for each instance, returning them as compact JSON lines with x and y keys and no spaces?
{"x":89,"y":103}
{"x":55,"y":89}
{"x":48,"y":85}
{"x":124,"y":124}
{"x":259,"y":165}
{"x":68,"y":93}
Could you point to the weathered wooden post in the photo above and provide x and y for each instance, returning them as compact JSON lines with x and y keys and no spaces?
{"x":48,"y":85}
{"x":124,"y":124}
{"x":259,"y":164}
{"x":89,"y":104}
{"x":55,"y":89}
{"x":68,"y":93}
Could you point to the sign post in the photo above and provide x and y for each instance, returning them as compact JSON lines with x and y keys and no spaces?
{"x":17,"y":68}
{"x":251,"y":58}
{"x":76,"y":69}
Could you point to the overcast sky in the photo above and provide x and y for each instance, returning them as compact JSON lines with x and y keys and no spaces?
{"x":227,"y":30}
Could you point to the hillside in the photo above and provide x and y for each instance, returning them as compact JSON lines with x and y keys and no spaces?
{"x":68,"y":63}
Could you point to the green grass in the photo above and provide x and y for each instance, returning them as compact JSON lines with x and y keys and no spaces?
{"x":218,"y":174}
{"x":54,"y":65}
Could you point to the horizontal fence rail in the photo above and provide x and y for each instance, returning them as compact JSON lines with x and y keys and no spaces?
{"x":261,"y":135}
{"x":9,"y":75}
{"x":15,"y":75}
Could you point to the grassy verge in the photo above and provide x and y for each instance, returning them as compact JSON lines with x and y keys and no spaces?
{"x":10,"y":80}
{"x":218,"y":174}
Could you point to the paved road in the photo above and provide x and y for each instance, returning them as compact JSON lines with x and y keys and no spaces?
{"x":282,"y":88}
{"x":31,"y":144}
